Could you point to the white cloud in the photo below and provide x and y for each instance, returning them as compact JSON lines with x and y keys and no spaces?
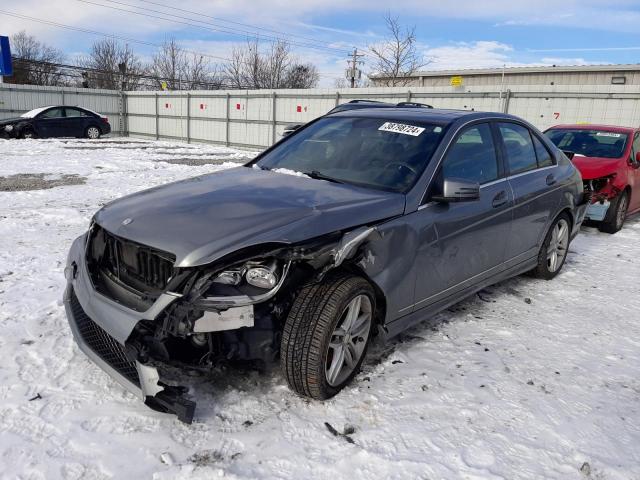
{"x":481,"y":54}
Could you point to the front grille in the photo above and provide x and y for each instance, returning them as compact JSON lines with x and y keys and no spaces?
{"x":103,"y":344}
{"x":111,"y":260}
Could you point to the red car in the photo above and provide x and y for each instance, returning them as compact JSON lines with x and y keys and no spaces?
{"x":609,"y":160}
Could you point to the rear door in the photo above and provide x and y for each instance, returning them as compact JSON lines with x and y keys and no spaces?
{"x":462,"y":243}
{"x":50,"y":123}
{"x":532,"y":177}
{"x":75,"y":122}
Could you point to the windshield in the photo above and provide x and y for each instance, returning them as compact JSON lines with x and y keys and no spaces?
{"x":34,"y":112}
{"x":589,"y":143}
{"x":370,"y":152}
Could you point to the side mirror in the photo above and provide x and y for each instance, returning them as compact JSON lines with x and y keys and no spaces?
{"x":289,"y":129}
{"x":637,"y":162}
{"x":458,"y":190}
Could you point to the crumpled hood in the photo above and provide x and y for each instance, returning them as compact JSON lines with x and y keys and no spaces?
{"x":204,"y":218}
{"x":596,"y":167}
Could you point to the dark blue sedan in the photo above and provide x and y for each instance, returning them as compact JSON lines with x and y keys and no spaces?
{"x":51,"y":122}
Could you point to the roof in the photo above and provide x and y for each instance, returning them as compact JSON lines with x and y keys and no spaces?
{"x":430,"y":115}
{"x":631,"y":67}
{"x":589,"y":126}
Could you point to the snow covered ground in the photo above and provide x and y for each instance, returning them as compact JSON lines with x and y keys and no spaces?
{"x":530,"y":379}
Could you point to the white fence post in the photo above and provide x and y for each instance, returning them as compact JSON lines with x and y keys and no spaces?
{"x":157,"y":118}
{"x":226,"y":116}
{"x":188,"y":117}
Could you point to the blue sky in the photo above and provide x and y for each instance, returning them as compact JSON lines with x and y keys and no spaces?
{"x":452,"y":35}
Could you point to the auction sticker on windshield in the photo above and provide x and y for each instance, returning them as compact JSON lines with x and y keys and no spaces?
{"x":608,"y":134}
{"x":401,"y":128}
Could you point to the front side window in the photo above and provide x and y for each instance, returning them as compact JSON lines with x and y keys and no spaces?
{"x":53,"y":113}
{"x":472,"y":156}
{"x":518,"y":146}
{"x":589,"y":143}
{"x":370,"y":152}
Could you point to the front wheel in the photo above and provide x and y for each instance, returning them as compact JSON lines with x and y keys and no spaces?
{"x":28,"y":132}
{"x":555,"y":247}
{"x":93,"y":133}
{"x":616,"y":215}
{"x":326,"y":335}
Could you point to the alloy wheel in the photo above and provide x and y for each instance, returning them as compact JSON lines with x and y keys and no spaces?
{"x":621,"y":213}
{"x":348,"y":340}
{"x":557,"y":249}
{"x":93,"y":133}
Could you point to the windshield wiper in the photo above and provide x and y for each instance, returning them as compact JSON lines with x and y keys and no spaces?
{"x":315,"y":174}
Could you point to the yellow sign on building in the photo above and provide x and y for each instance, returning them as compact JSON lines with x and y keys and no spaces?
{"x":456,"y":81}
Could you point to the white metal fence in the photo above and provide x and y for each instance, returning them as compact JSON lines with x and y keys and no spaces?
{"x":18,"y":99}
{"x":256,"y":118}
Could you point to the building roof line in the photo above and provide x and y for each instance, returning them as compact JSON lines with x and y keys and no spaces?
{"x":632,"y":67}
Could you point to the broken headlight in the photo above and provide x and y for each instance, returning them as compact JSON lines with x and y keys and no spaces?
{"x":598,"y":184}
{"x":246,"y":284}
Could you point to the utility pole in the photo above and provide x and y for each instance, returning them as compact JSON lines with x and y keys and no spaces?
{"x":353,"y":72}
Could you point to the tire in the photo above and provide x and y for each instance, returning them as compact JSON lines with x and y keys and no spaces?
{"x":92,"y":132}
{"x":318,"y":314}
{"x":557,"y":240}
{"x":616,"y":215}
{"x":27,"y":132}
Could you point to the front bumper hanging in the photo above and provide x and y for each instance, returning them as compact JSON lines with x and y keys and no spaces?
{"x":104,"y":343}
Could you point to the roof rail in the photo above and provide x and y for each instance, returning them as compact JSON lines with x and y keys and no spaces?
{"x":364,"y":100}
{"x":413,"y":104}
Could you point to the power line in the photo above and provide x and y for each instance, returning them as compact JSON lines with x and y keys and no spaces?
{"x":190,"y":23}
{"x":103,"y":34}
{"x":256,"y":27}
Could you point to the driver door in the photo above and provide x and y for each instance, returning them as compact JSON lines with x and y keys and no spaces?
{"x":462,"y":243}
{"x":50,"y":123}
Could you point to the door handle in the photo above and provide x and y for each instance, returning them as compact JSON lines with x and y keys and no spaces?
{"x":500,"y":199}
{"x":551,"y":179}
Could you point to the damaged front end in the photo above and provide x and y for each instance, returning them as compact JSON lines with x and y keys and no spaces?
{"x":600,"y":191}
{"x":142,"y":319}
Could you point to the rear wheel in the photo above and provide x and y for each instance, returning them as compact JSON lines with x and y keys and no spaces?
{"x":555,"y":247}
{"x":616,"y":215}
{"x":326,"y":335}
{"x":93,"y":133}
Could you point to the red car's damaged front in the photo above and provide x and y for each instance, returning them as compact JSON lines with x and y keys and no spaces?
{"x":608,"y":159}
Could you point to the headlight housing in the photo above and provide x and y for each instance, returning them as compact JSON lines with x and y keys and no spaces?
{"x":252,"y":282}
{"x":8,"y":128}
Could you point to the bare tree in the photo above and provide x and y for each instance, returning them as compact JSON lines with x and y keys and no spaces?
{"x":302,"y":76}
{"x":35,"y":63}
{"x":183,"y":71}
{"x":112,"y":65}
{"x":275,"y":68}
{"x":168,"y":64}
{"x":397,"y":57}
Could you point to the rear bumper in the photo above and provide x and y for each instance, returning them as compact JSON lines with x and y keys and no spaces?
{"x":101,"y":328}
{"x":580,"y":213}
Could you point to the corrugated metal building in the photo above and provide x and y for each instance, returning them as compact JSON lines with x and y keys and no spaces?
{"x":549,"y":75}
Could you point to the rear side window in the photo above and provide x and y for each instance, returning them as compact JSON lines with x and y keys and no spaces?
{"x":74,"y":112}
{"x":544,"y":157}
{"x":473,"y":156}
{"x":521,"y":154}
